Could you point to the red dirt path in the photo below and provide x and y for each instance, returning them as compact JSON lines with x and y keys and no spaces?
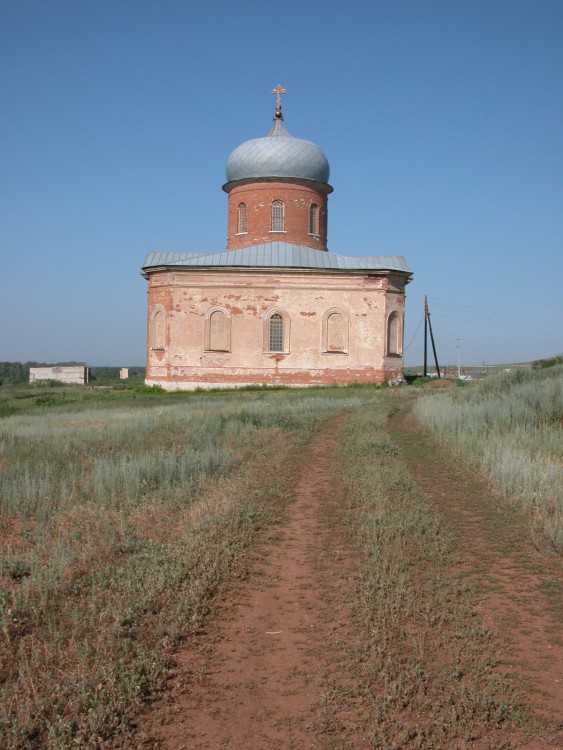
{"x":278,"y":643}
{"x":521,"y":586}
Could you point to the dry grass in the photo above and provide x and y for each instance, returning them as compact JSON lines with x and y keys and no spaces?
{"x":428,"y":666}
{"x":116,"y":527}
{"x":510,"y":425}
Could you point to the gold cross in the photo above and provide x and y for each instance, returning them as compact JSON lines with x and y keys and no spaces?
{"x":278,"y":91}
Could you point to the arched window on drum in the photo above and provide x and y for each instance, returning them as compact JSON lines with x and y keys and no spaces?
{"x":278,"y":218}
{"x":314,"y":220}
{"x":242,"y":227}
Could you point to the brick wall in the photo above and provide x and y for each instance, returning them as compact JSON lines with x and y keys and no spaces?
{"x":258,"y":197}
{"x":186,"y":296}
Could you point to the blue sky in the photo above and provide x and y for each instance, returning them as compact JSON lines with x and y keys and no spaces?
{"x":442,"y":122}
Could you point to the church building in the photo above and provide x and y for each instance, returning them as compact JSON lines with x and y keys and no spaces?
{"x":276,"y":307}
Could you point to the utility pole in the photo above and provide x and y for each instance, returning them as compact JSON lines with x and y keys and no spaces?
{"x":458,"y":347}
{"x":425,"y":336}
{"x":428,"y":325}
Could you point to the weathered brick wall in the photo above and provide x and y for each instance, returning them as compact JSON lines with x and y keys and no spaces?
{"x":395,"y":302}
{"x":247,"y":296}
{"x":259,"y":196}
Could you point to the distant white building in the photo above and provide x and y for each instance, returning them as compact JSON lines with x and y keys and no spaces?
{"x":72,"y":375}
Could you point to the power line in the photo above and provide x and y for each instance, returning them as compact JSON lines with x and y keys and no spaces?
{"x":417,"y":330}
{"x":468,"y":314}
{"x":483,"y":312}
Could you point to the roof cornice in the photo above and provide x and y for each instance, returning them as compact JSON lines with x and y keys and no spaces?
{"x":276,"y":256}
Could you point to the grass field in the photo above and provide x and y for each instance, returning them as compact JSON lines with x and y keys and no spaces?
{"x":510,"y":426}
{"x":427,"y":666}
{"x":121,"y":512}
{"x":119,"y":517}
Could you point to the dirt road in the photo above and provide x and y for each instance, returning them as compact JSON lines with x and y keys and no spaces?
{"x":280,"y":642}
{"x":521,"y":587}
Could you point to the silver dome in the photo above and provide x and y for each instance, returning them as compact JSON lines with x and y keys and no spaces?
{"x":278,"y":154}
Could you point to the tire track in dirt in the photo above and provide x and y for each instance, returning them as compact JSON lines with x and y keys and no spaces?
{"x":278,"y":646}
{"x":521,"y":588}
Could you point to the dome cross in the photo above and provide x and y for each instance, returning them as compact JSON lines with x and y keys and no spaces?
{"x":278,"y":91}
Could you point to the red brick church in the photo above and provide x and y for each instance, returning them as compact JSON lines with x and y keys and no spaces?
{"x":276,"y":306}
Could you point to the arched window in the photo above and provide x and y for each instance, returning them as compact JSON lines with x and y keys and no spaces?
{"x":241,"y":219}
{"x":335,"y":331}
{"x":394,"y":334}
{"x":314,"y":219}
{"x":277,"y":216}
{"x":158,"y":332}
{"x":275,"y":333}
{"x":217,"y":331}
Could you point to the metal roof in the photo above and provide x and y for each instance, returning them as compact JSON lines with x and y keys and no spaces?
{"x":277,"y":255}
{"x":278,"y":154}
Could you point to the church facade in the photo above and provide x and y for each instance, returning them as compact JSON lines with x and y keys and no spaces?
{"x":276,"y":307}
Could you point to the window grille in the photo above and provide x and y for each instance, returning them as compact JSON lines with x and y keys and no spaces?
{"x":276,"y":333}
{"x":277,"y":216}
{"x":241,"y":219}
{"x":314,"y":219}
